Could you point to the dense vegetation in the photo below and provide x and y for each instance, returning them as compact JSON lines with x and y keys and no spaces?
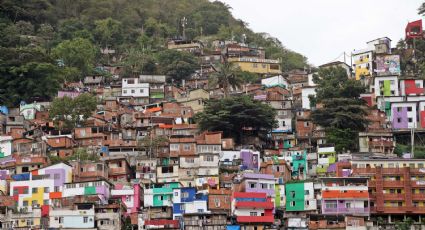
{"x":236,"y":116}
{"x":45,"y":42}
{"x":341,"y":112}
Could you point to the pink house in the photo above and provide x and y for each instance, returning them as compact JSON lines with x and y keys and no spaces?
{"x":130,"y":196}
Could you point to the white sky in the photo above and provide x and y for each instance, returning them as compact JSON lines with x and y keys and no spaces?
{"x":323,"y":29}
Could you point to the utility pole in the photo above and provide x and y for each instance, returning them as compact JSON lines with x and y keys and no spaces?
{"x":183,"y":24}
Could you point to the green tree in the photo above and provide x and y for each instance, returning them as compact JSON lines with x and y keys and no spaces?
{"x":228,"y":75}
{"x":67,"y":112}
{"x":27,"y":75}
{"x":138,"y":62}
{"x":342,"y":112}
{"x":233,"y":115}
{"x":152,"y":144}
{"x":108,"y":32}
{"x":79,"y":53}
{"x":179,"y":65}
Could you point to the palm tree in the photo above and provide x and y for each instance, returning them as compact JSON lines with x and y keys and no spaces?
{"x":227,"y":76}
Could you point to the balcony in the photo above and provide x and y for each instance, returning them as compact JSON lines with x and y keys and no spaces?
{"x":323,"y":224}
{"x":255,"y":219}
{"x":252,"y":204}
{"x":418,"y":197}
{"x":343,"y":210}
{"x":115,"y":171}
{"x":394,"y":196}
{"x":393,"y":184}
{"x":381,"y":144}
{"x":164,"y":223}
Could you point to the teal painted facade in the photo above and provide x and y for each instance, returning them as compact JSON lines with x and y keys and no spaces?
{"x":299,"y":161}
{"x":294,"y":196}
{"x":164,"y":194}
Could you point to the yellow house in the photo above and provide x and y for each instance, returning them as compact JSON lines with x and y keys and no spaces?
{"x":257,"y":65}
{"x":362,"y":63}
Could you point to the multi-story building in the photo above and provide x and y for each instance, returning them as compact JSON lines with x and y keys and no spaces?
{"x":130,"y":195}
{"x":219,"y":201}
{"x":300,"y":196}
{"x":79,"y":216}
{"x":257,"y":65}
{"x":252,"y":209}
{"x":133,"y":87}
{"x":404,"y":115}
{"x":160,"y":194}
{"x":345,"y":196}
{"x":189,"y":201}
{"x":41,"y":187}
{"x":98,"y":191}
{"x":208,"y":147}
{"x":326,"y":156}
{"x":386,"y":86}
{"x":396,"y":187}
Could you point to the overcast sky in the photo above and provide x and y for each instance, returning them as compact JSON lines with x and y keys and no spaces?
{"x":323,"y":29}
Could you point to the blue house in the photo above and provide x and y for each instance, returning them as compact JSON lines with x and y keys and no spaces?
{"x":189,"y":200}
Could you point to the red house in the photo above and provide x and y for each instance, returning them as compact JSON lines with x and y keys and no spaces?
{"x":414,"y":30}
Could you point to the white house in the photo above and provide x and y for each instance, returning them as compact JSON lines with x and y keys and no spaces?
{"x":305,"y":99}
{"x":5,"y":146}
{"x":275,"y":81}
{"x":132,"y":87}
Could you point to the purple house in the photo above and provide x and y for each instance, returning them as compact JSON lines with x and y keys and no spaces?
{"x":260,"y":183}
{"x":250,"y":159}
{"x":403,"y":115}
{"x":345,"y":196}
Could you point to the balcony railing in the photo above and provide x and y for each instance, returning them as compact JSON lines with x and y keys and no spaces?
{"x":343,"y":210}
{"x":255,"y":219}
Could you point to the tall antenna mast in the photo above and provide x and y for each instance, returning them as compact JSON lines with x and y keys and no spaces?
{"x":183,"y":24}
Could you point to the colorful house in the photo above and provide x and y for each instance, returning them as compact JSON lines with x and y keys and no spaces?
{"x":252,"y":208}
{"x":300,"y":196}
{"x":5,"y":146}
{"x":409,"y":87}
{"x":345,"y":196}
{"x":403,"y":115}
{"x":130,"y":196}
{"x":100,"y":189}
{"x":189,"y":201}
{"x":40,"y":187}
{"x":160,"y":195}
{"x":386,"y":86}
{"x":257,"y":65}
{"x":326,"y":156}
{"x":82,"y":216}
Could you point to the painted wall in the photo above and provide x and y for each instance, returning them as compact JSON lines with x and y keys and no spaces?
{"x":137,"y":89}
{"x":5,"y":146}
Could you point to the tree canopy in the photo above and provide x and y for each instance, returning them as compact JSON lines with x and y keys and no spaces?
{"x":67,"y":112}
{"x":340,"y":110}
{"x":234,"y":115}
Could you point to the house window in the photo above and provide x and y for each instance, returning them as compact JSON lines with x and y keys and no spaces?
{"x":141,"y":90}
{"x":46,"y":189}
{"x":252,"y":185}
{"x":292,"y":194}
{"x":133,"y":91}
{"x":34,"y":190}
{"x":127,"y":198}
{"x":253,"y":213}
{"x":209,"y":158}
{"x":398,"y":120}
{"x":25,"y":203}
{"x":255,"y":65}
{"x":85,"y":219}
{"x":306,"y":124}
{"x":34,"y":203}
{"x":124,"y":91}
{"x":292,"y":203}
{"x":60,"y":220}
{"x":174,"y":147}
{"x":398,"y":109}
{"x":263,"y":186}
{"x":130,"y":81}
{"x":186,"y":147}
{"x":185,"y":195}
{"x":330,"y":204}
{"x":307,"y":203}
{"x":189,"y":160}
{"x":410,"y":119}
{"x":306,"y":192}
{"x":392,"y":92}
{"x":56,"y":189}
{"x":348,"y":205}
{"x":45,"y":202}
{"x":409,"y":109}
{"x":283,"y":123}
